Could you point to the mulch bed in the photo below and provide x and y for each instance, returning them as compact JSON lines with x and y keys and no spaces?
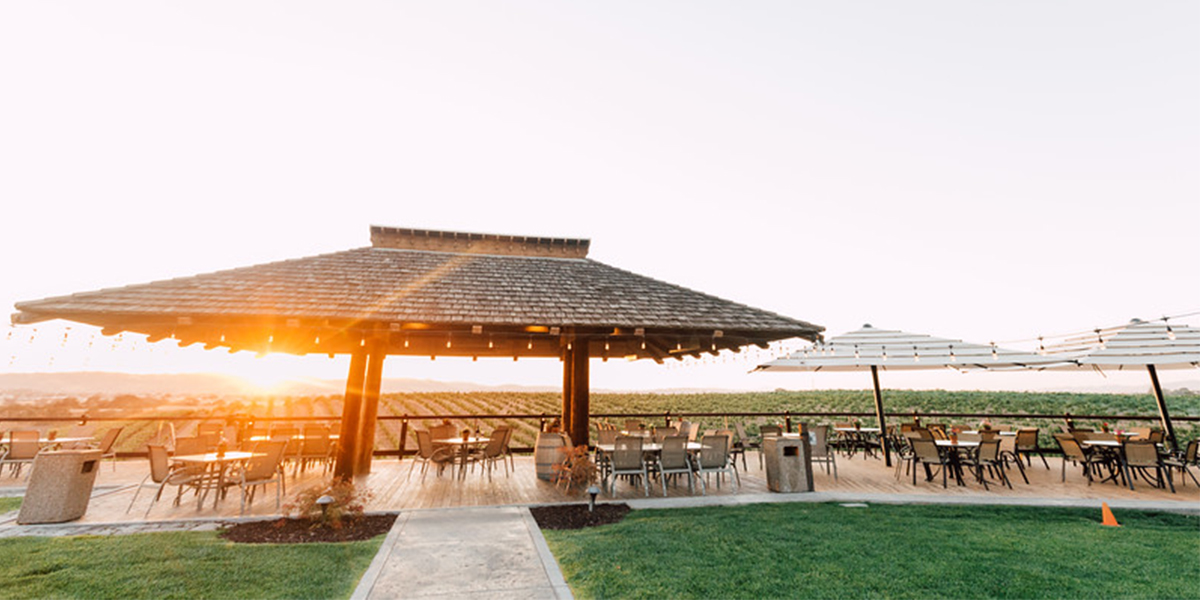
{"x":295,"y":531}
{"x":577,"y":516}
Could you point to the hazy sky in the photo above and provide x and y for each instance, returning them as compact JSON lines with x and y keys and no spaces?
{"x":982,"y":171}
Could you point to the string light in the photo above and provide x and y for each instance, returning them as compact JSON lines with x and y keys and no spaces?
{"x":1100,"y":339}
{"x":1170,"y":332}
{"x":995,"y":355}
{"x":915,"y":357}
{"x":406,"y":341}
{"x":317,"y":340}
{"x":529,"y":346}
{"x":884,"y":354}
{"x":952,"y":357}
{"x":491,"y":344}
{"x":856,"y":352}
{"x":448,"y":341}
{"x":1041,"y":346}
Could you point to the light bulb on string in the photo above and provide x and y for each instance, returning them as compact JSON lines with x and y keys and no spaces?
{"x":995,"y":355}
{"x":884,"y":350}
{"x":1041,"y":346}
{"x":529,"y":346}
{"x":1100,"y":339}
{"x":856,"y":352}
{"x":1170,"y":333}
{"x":952,"y":357}
{"x":916,"y":358}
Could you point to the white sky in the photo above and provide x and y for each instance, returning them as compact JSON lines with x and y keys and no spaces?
{"x":982,"y":171}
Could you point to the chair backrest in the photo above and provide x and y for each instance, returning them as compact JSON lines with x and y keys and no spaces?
{"x":1027,"y":438}
{"x":110,"y":438}
{"x":159,"y":467}
{"x":1008,"y":444}
{"x":606,"y":436}
{"x":674,"y":453}
{"x":1142,"y":432}
{"x":1156,"y":436}
{"x":22,"y":445}
{"x":284,"y":431}
{"x":925,"y":450}
{"x":210,"y":428}
{"x":1141,"y":454}
{"x":989,"y":451}
{"x":741,"y":431}
{"x":920,"y":433}
{"x":315,"y":442}
{"x":1081,"y":436}
{"x":1070,"y":446}
{"x":970,"y":437}
{"x":1103,"y":436}
{"x":424,"y":444}
{"x":496,"y":442}
{"x":714,"y":451}
{"x":443,"y":432}
{"x":632,"y":425}
{"x":1189,"y":455}
{"x":770,"y":430}
{"x":728,"y":436}
{"x":820,"y":436}
{"x":190,"y":445}
{"x":266,"y":465}
{"x":627,"y":453}
{"x":989,"y":435}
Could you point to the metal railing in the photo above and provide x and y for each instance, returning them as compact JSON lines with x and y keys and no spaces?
{"x":789,"y":419}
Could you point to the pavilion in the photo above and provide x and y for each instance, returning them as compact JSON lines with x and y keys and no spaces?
{"x":431,"y":293}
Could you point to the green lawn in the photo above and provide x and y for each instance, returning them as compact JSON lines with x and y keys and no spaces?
{"x":8,"y":503}
{"x":178,"y":565}
{"x":828,"y":551}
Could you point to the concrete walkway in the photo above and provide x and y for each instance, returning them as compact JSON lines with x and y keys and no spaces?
{"x":490,"y":552}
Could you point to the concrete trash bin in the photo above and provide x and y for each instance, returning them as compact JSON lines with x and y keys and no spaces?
{"x":789,"y":463}
{"x":60,"y":486}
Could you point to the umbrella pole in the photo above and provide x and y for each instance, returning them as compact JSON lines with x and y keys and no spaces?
{"x":887,"y":456}
{"x":1162,"y":408}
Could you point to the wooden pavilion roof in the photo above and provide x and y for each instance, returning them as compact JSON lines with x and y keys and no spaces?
{"x":430,"y":293}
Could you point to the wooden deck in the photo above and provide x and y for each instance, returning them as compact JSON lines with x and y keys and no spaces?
{"x":394,"y":490}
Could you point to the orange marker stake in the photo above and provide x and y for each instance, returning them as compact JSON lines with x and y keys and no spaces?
{"x":1109,"y":519}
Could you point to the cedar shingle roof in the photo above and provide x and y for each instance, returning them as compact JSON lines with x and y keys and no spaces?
{"x":488,"y":281}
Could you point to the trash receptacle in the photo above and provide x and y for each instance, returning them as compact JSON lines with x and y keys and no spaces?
{"x":60,"y":486}
{"x":789,"y":463}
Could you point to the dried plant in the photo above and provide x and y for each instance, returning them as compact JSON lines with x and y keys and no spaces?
{"x":577,"y":469}
{"x":347,"y":504}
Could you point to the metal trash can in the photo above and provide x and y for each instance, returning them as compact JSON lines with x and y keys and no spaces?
{"x":60,"y":486}
{"x":789,"y":463}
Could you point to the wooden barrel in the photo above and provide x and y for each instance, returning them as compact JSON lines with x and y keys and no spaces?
{"x":547,"y":453}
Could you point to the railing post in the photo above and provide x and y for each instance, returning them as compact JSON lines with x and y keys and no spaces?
{"x":403,"y":435}
{"x":787,"y":421}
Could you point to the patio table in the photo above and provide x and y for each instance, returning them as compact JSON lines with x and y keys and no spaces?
{"x":220,"y":464}
{"x":463,"y":446}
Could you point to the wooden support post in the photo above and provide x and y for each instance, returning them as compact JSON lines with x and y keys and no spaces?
{"x":1168,"y":428}
{"x":343,"y":468}
{"x":370,"y":409}
{"x":568,"y":389}
{"x":580,"y":401}
{"x":887,"y":456}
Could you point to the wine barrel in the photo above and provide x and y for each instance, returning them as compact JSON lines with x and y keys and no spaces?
{"x":547,"y":453}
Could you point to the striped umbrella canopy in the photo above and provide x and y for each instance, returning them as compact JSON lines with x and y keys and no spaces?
{"x":1151,"y":345}
{"x":873,"y":349}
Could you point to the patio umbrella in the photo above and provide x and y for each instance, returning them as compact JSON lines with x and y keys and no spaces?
{"x":875,"y":349}
{"x":1139,"y":344}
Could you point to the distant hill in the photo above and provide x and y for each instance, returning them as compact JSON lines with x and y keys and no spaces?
{"x":200,"y":384}
{"x":89,"y":383}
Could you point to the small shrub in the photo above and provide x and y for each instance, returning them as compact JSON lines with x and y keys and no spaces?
{"x":348,"y":504}
{"x":577,"y":469}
